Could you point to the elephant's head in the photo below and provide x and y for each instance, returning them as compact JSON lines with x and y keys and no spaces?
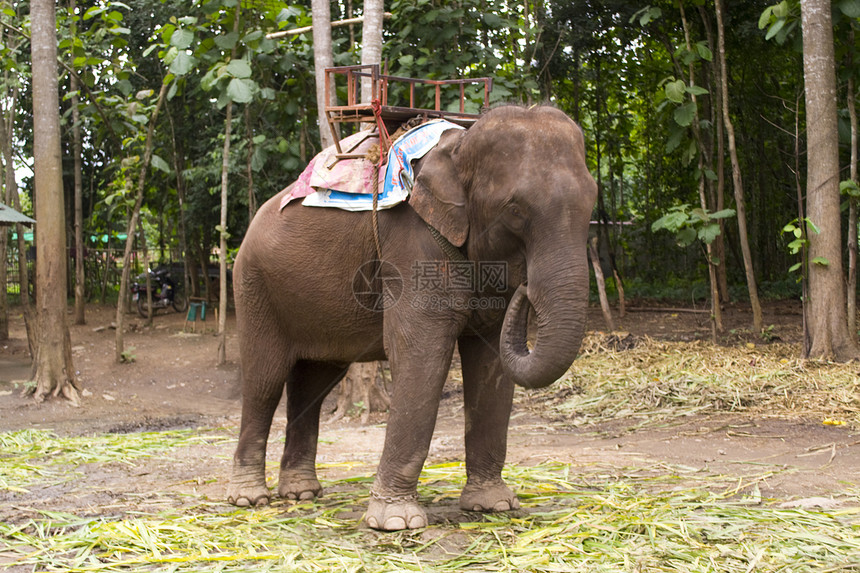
{"x":515,"y":188}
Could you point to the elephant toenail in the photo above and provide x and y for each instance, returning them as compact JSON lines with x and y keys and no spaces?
{"x":395,"y":523}
{"x":306,"y":495}
{"x":477,"y":507}
{"x":502,"y":506}
{"x":372,"y":523}
{"x":242,"y":502}
{"x":261,"y":501}
{"x":417,"y":522}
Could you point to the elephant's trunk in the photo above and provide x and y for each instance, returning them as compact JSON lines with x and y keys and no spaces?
{"x":557,"y":290}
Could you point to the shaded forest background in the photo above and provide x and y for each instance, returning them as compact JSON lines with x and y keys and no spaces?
{"x":642,"y":80}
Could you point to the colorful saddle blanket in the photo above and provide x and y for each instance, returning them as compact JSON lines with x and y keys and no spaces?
{"x":348,"y":183}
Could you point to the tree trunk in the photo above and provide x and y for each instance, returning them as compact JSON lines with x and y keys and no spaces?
{"x":222,"y":248}
{"x":321,"y":14}
{"x":54,"y":372}
{"x":80,"y":302}
{"x":828,"y":324}
{"x":737,"y":183}
{"x":716,"y":151}
{"x":361,"y":384}
{"x":601,"y":284}
{"x":716,"y":313}
{"x":363,"y":390}
{"x":122,"y":302}
{"x":852,"y":204}
{"x":222,"y":230}
{"x":252,"y":198}
{"x":4,"y":299}
{"x":371,"y":41}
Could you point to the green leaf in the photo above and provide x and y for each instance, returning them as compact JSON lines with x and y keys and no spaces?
{"x":239,"y":69}
{"x":125,"y":87}
{"x":709,"y":232}
{"x":686,"y":236}
{"x":795,"y":246}
{"x":684,"y":114}
{"x":227,"y":41}
{"x":812,"y":226}
{"x":794,"y":267}
{"x":710,"y":175}
{"x":850,"y":188}
{"x":696,"y":90}
{"x":676,"y":135}
{"x":240,"y":90}
{"x":406,"y":61}
{"x":850,"y":8}
{"x":722,"y":214}
{"x":764,"y":19}
{"x":253,"y":36}
{"x":492,"y":20}
{"x":160,"y":163}
{"x":182,"y":64}
{"x":781,"y":10}
{"x":774,"y":29}
{"x":258,"y":139}
{"x":704,"y":51}
{"x":181,"y":38}
{"x":699,"y":214}
{"x":671,"y":222}
{"x":821,"y":261}
{"x":675,"y":91}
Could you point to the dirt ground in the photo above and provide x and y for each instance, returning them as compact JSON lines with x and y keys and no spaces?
{"x":174,"y":383}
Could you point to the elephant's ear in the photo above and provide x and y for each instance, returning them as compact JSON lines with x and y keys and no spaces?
{"x":438,"y":195}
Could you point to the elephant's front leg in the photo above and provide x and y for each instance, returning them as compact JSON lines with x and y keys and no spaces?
{"x":419,"y":366}
{"x":488,"y":396}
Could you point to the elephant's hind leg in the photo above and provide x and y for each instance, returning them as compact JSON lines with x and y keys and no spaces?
{"x":263,"y":378}
{"x":307,"y":387}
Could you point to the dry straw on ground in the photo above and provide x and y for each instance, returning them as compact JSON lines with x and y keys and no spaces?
{"x":655,"y":381}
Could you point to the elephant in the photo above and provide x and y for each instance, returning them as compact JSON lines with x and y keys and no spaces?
{"x":494,"y":232}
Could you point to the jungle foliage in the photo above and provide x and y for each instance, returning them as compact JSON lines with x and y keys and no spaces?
{"x":644,"y":93}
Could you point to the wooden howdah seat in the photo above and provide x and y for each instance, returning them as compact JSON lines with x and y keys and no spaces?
{"x":380,"y":111}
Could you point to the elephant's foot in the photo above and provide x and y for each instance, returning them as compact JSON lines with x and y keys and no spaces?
{"x":299,"y":485}
{"x":248,"y":487}
{"x":392,"y":513}
{"x":488,"y":496}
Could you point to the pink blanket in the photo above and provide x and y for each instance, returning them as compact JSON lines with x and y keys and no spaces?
{"x":347,"y":175}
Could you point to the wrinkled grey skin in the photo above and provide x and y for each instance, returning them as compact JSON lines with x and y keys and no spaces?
{"x":514,"y":191}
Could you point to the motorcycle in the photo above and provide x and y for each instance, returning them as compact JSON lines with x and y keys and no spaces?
{"x":164,"y":293}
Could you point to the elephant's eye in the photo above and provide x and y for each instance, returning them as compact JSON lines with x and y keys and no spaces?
{"x":515,"y":211}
